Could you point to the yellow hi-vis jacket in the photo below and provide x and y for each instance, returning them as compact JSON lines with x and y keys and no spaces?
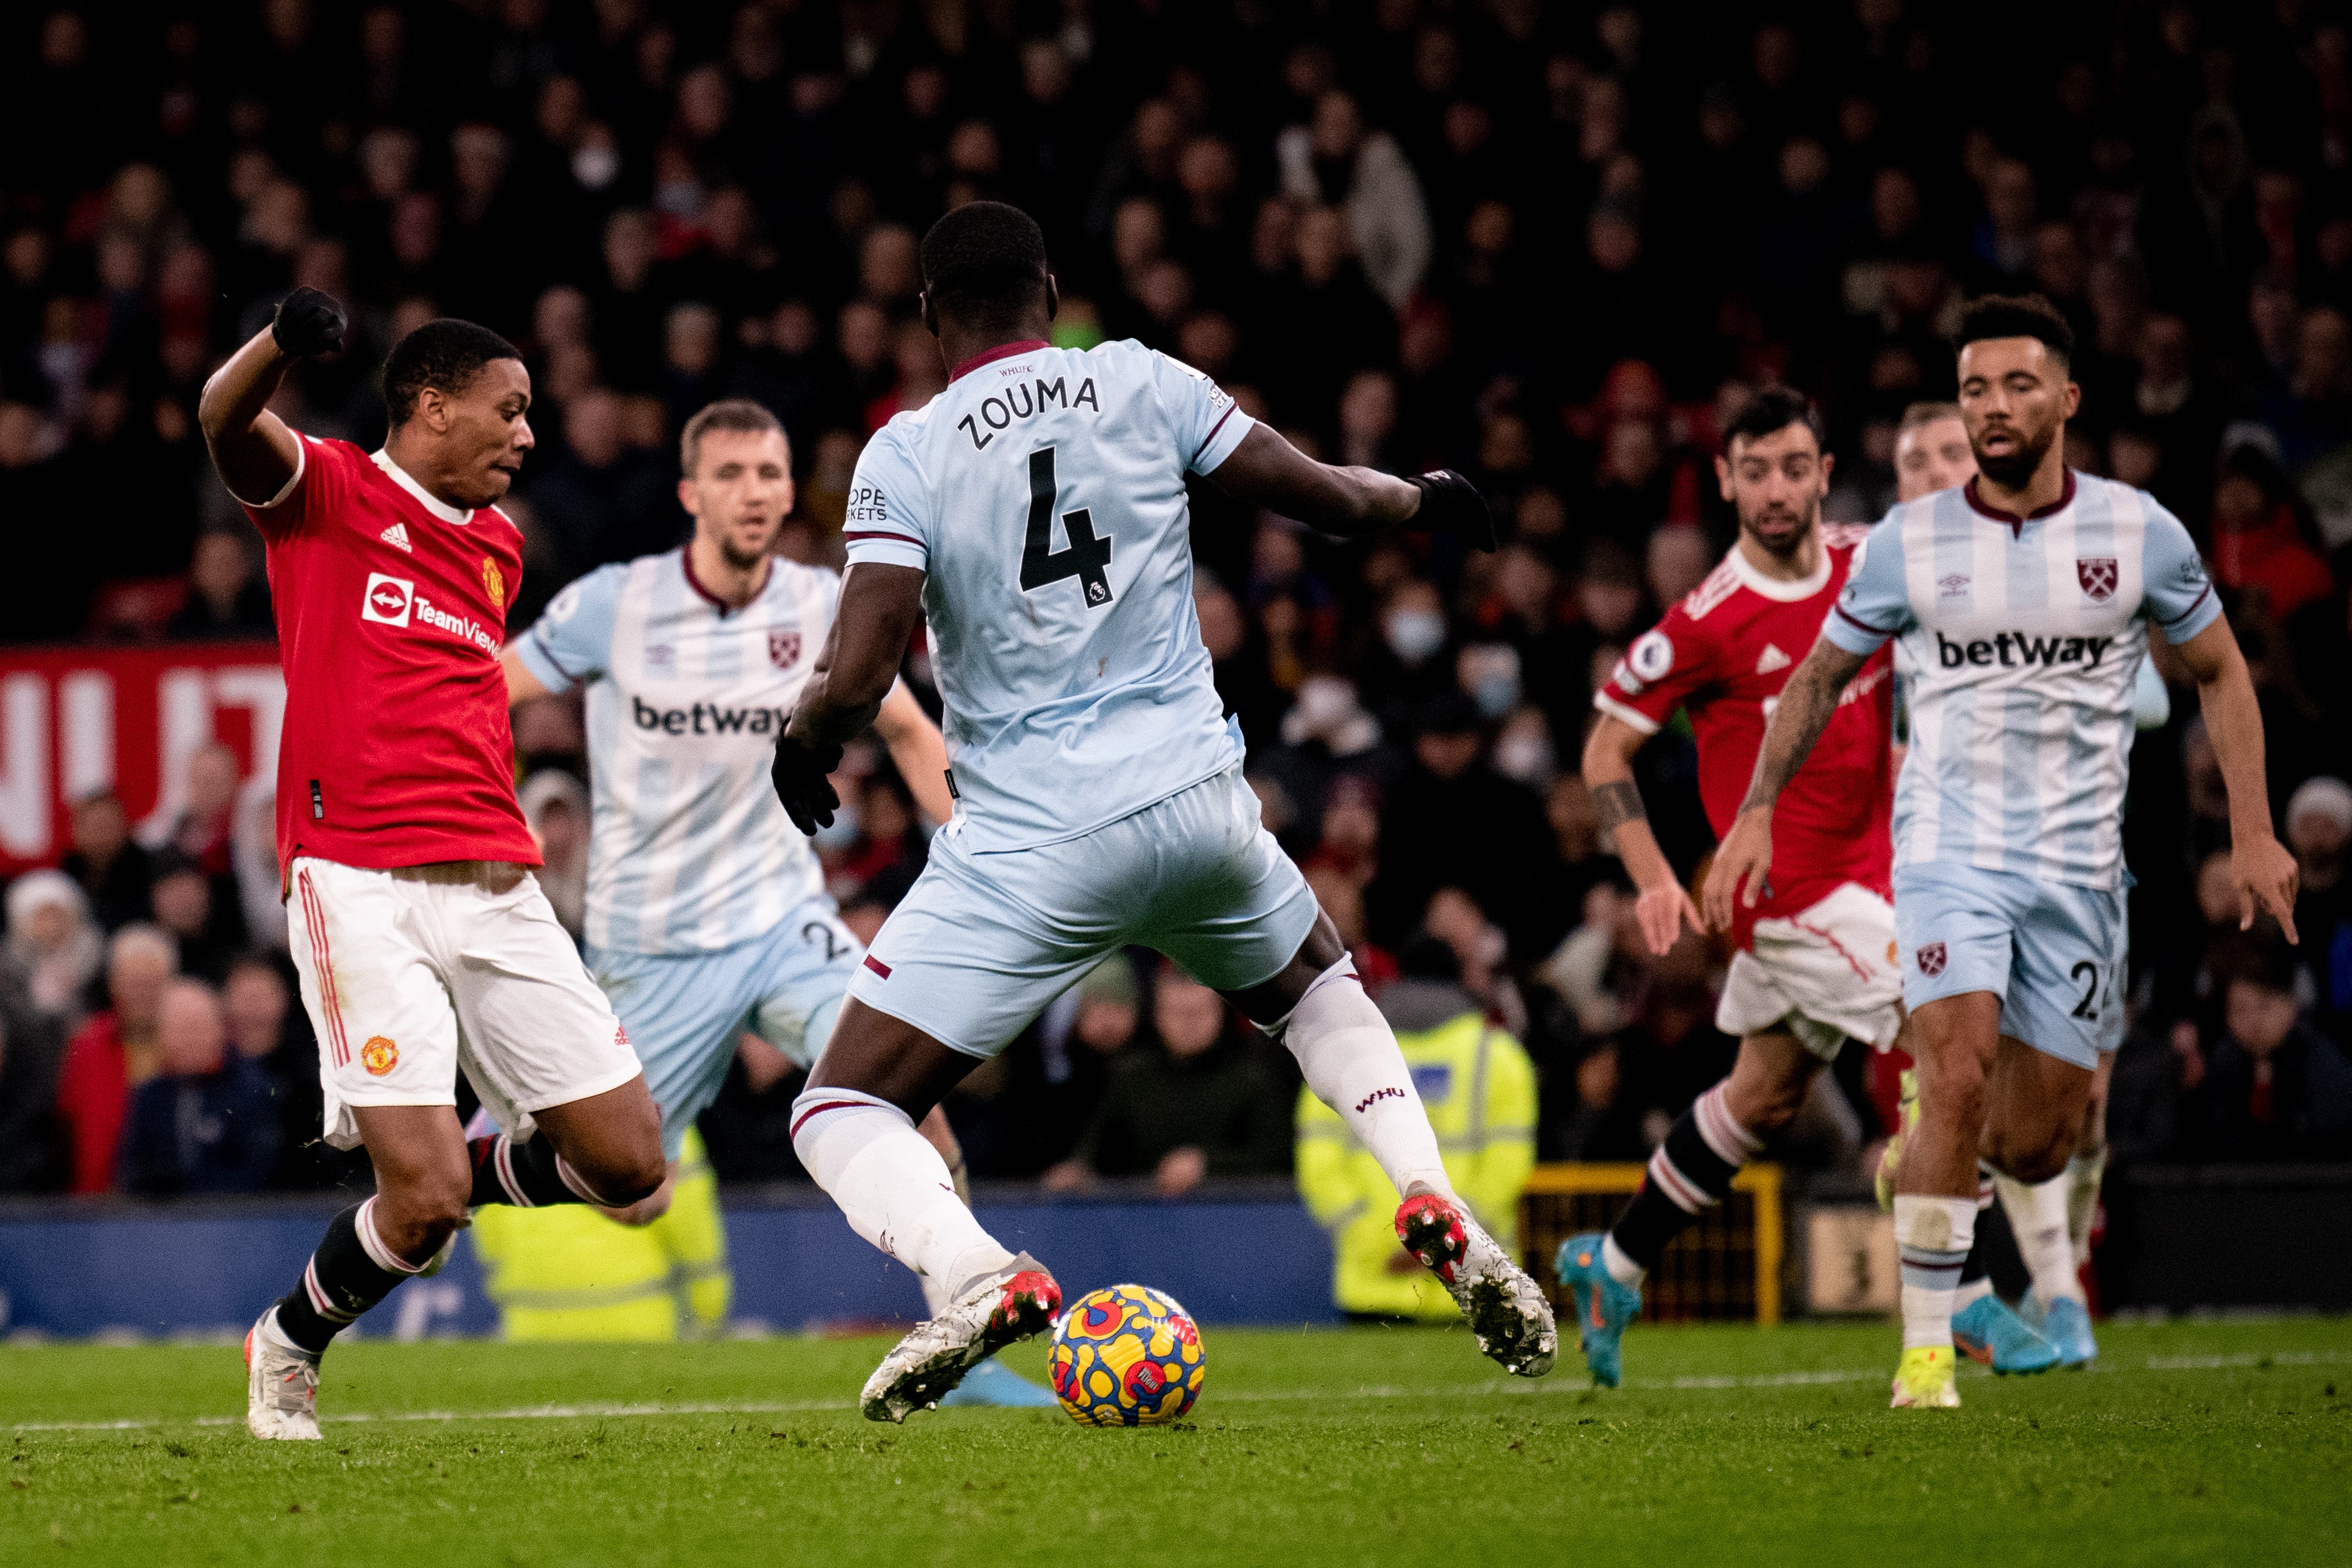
{"x":566,"y":1273}
{"x":1480,"y":1092}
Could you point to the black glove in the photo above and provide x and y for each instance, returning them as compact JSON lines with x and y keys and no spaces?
{"x":1452,"y":504}
{"x":309,"y":322}
{"x":800,"y":774}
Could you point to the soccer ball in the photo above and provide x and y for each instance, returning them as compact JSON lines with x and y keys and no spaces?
{"x":1126,"y":1356}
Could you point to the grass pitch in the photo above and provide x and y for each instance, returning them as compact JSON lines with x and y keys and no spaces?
{"x":2193,"y":1442}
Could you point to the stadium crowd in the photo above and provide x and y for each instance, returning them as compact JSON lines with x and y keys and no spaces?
{"x":1552,"y":246}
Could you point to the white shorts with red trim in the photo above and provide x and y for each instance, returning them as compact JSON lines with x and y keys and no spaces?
{"x":409,"y":980}
{"x":1826,"y":974}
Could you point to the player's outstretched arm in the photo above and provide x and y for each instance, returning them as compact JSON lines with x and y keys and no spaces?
{"x":252,"y":450}
{"x":880,"y":605}
{"x":1267,"y":471}
{"x":1662,"y":905}
{"x":919,"y":750}
{"x":1806,"y":703}
{"x":2262,"y":868}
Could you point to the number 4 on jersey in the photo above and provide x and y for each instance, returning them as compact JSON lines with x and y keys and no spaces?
{"x":1085,"y":557}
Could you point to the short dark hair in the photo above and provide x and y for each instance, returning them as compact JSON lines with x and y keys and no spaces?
{"x":2016,"y":316}
{"x":736,"y":413}
{"x":1772,"y":410}
{"x":445,"y":354}
{"x":984,"y":263}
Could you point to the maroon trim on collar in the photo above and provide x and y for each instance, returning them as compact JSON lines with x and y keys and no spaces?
{"x":1001,"y":351}
{"x":686,"y":560}
{"x":2017,"y":524}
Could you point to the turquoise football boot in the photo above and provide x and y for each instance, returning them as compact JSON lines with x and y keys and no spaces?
{"x":993,"y":1383}
{"x":2066,"y":1325}
{"x":1603,"y":1307}
{"x":1987,"y":1330}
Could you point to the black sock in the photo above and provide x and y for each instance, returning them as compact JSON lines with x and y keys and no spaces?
{"x":340,"y":1282}
{"x":1687,"y":1174}
{"x":528,"y":1175}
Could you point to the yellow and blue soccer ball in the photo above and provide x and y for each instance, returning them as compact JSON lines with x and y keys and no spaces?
{"x":1126,"y":1356}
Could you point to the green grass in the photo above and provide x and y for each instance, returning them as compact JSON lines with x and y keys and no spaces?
{"x":2192,"y":1442}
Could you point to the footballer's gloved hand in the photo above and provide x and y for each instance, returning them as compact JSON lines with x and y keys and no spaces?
{"x":800,"y":774}
{"x":309,"y":322}
{"x":1452,"y":504}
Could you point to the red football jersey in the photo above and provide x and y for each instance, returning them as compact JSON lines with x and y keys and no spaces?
{"x":392,"y":612}
{"x":1724,"y":652}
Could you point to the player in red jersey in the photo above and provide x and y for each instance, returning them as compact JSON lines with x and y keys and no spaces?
{"x":1816,"y":961}
{"x":423,"y":942}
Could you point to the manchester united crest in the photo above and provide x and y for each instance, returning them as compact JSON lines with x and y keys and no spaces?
{"x":1931,"y":959}
{"x":2096,"y":573}
{"x":379,"y":1056}
{"x":783,"y":648}
{"x":494,"y":583}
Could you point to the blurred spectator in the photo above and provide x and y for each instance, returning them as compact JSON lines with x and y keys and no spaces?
{"x":208,"y":931}
{"x":116,"y":1052}
{"x":1479,"y":1089}
{"x":2273,"y":1088}
{"x":1336,"y":161}
{"x":1453,"y":819}
{"x":253,"y":847}
{"x":207,"y":823}
{"x":53,"y":950}
{"x":203,"y":1121}
{"x":1196,"y":1102}
{"x":32,"y":1051}
{"x":227,"y":598}
{"x":112,"y":868}
{"x":555,"y":804}
{"x":2258,"y":535}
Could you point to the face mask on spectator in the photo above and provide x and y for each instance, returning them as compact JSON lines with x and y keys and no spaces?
{"x":1414,"y":634}
{"x":1496,"y":693}
{"x":1523,"y":755}
{"x":843,"y":831}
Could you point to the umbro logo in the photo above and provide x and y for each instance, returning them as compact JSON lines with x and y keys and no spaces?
{"x":397,"y":536}
{"x":1771,"y":659}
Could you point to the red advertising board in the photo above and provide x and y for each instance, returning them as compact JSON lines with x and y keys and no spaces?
{"x":74,"y":720}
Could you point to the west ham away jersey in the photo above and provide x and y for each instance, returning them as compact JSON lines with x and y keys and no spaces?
{"x":1042,"y":492}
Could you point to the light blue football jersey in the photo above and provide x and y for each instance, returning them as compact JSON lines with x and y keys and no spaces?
{"x":2022,"y":640}
{"x":688,"y":851}
{"x":1043,"y":494}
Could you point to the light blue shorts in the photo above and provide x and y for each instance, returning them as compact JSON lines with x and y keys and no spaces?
{"x":984,"y":941}
{"x":684,"y":1012}
{"x":2052,"y":951}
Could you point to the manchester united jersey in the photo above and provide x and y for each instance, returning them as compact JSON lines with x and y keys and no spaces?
{"x":1724,"y":653}
{"x":392,"y":610}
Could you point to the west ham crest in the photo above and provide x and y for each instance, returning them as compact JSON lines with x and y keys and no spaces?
{"x":2097,"y":575}
{"x":1931,"y":956}
{"x":783,"y":648}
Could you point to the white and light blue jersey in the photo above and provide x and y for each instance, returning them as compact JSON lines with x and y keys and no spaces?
{"x":2022,"y":640}
{"x":690,"y":851}
{"x":1043,"y":494}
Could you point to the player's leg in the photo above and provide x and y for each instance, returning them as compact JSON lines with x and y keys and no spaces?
{"x":1228,"y":905}
{"x":543,"y":1047}
{"x":992,"y":1384}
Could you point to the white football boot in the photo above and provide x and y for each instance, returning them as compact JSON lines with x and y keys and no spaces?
{"x":281,"y":1386}
{"x":1507,"y":1312}
{"x":930,"y":1361}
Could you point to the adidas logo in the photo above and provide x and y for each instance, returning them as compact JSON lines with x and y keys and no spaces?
{"x":1771,"y":659}
{"x":397,"y":535}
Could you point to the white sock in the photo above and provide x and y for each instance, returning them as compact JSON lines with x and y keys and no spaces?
{"x":1932,"y":1236}
{"x":2083,"y":1175}
{"x":2038,"y":1214}
{"x":1350,"y":1057}
{"x":1972,"y":1290}
{"x":1622,"y":1268}
{"x":893,"y":1187}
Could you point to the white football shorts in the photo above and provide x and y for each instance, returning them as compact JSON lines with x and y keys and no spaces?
{"x":1826,"y":974}
{"x":983,"y":942}
{"x":411,"y":976}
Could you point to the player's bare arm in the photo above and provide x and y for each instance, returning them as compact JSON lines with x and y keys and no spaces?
{"x":1267,"y":471}
{"x":521,"y":684}
{"x":1807,"y":704}
{"x":880,"y":607}
{"x":918,"y":751}
{"x":2262,"y":868}
{"x":252,"y":451}
{"x":1662,"y":906}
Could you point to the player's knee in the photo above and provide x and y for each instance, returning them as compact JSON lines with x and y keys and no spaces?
{"x":416,"y":1211}
{"x":625,"y":1178}
{"x":2034,"y":1155}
